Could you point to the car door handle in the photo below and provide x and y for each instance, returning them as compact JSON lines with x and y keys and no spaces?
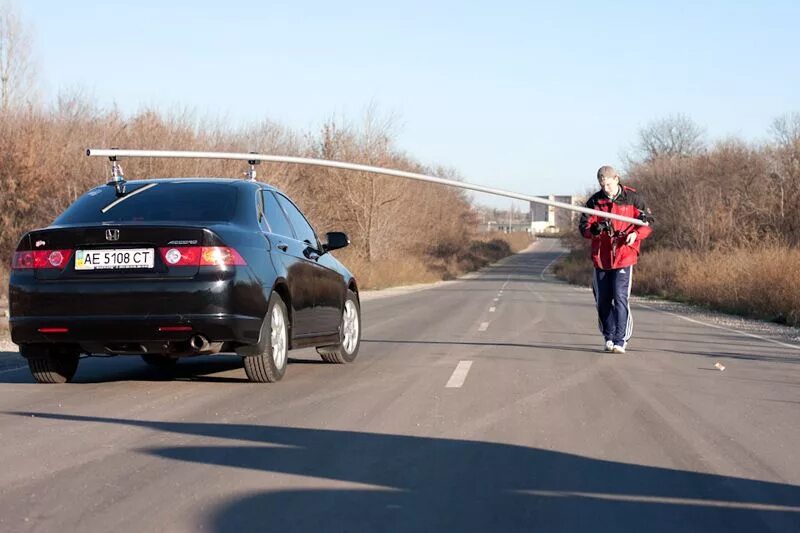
{"x":282,"y":247}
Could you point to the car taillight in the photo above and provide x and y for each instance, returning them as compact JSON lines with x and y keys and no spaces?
{"x":221,"y":256}
{"x":41,"y":259}
{"x":201,"y":256}
{"x":22,"y":260}
{"x":181,"y":256}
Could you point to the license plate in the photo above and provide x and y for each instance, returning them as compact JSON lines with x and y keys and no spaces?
{"x":114,"y":259}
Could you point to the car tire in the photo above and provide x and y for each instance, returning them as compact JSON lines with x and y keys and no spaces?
{"x":161,"y":362}
{"x":268,"y":364}
{"x":349,"y":334}
{"x":51,"y":363}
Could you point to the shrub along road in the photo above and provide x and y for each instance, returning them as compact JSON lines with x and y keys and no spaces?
{"x":478,"y":404}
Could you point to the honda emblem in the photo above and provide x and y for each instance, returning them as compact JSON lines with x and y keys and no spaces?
{"x":112,"y":234}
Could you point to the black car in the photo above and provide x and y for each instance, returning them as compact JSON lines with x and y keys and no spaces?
{"x":168,"y":268}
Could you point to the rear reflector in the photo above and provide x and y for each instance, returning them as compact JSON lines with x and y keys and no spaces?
{"x":22,"y":260}
{"x":175,"y":328}
{"x":53,"y":330}
{"x":201,"y":256}
{"x":40,"y":259}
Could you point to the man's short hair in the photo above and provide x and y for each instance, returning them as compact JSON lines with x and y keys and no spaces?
{"x":606,"y":171}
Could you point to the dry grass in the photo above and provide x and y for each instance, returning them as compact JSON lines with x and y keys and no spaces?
{"x":5,"y":336}
{"x":4,"y":333}
{"x":659,"y":273}
{"x":3,"y":284}
{"x":518,"y":240}
{"x":385,"y":273}
{"x":762,"y":283}
{"x":442,"y":262}
{"x":575,"y":267}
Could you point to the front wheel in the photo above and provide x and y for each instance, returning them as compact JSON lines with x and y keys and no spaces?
{"x":349,"y":334}
{"x":51,"y":363}
{"x":269,"y":362}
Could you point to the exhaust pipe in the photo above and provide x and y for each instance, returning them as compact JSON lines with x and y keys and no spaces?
{"x":199,"y":343}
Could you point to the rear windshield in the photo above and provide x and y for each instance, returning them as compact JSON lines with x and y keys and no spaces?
{"x":158,"y":201}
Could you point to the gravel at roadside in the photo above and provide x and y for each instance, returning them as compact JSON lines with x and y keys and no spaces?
{"x":778,"y":332}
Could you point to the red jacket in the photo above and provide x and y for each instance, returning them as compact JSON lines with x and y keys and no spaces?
{"x":610,"y":251}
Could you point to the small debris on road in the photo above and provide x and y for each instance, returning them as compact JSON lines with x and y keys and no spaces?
{"x":719,"y":366}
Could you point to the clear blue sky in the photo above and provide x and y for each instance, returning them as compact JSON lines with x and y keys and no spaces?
{"x":526,"y":96}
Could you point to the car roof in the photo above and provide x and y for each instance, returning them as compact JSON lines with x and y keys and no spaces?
{"x":240,"y":183}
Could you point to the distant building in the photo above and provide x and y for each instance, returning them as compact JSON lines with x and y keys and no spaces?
{"x":549,"y":219}
{"x":505,"y":227}
{"x":503,"y":221}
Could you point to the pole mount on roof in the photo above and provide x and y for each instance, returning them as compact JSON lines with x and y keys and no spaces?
{"x":251,"y":174}
{"x":117,"y":176}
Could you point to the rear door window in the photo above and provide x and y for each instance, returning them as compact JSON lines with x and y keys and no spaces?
{"x":301,"y":226}
{"x":154,"y":202}
{"x":278,"y":224}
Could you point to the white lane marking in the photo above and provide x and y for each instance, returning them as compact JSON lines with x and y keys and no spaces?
{"x":492,"y":309}
{"x":496,"y":300}
{"x":484,"y":326}
{"x":541,"y":276}
{"x":459,"y":375}
{"x":753,"y":335}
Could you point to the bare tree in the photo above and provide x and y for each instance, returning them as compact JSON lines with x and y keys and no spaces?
{"x":785,"y":174}
{"x":16,"y":66}
{"x":367,"y":204}
{"x":785,"y":132}
{"x":673,"y":136}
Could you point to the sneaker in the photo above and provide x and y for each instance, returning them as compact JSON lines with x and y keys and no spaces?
{"x":618,"y":349}
{"x":609,"y":346}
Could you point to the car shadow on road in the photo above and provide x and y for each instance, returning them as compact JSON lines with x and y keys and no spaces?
{"x":410,"y":483}
{"x":10,"y":359}
{"x":558,"y":347}
{"x":130,"y":368}
{"x":101,"y":369}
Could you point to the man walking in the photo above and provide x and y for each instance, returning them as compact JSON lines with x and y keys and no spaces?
{"x":615,"y":249}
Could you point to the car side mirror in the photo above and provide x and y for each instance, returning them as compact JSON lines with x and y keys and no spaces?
{"x":336,"y":240}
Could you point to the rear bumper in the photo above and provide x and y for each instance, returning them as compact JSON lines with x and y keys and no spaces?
{"x":221,"y":306}
{"x":123,"y":329}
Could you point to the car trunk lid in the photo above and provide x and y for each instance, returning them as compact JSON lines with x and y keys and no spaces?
{"x":128,"y":251}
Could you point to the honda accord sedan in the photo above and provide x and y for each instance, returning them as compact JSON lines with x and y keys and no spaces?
{"x":171,"y":268}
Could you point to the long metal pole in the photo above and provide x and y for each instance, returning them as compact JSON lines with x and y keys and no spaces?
{"x":356,"y":167}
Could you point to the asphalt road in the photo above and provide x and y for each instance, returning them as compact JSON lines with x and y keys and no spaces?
{"x":481,"y":404}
